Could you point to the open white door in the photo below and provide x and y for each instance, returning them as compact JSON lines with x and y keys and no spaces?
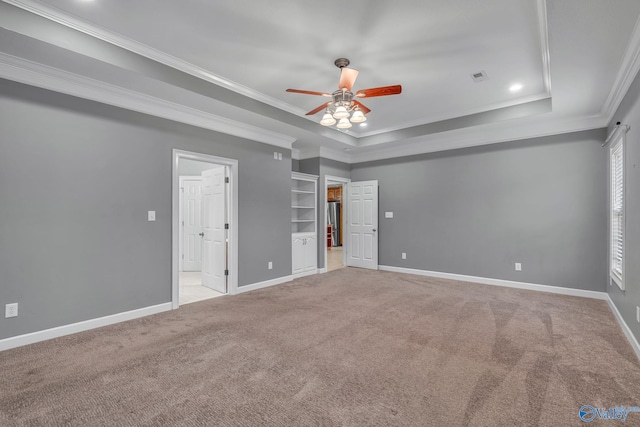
{"x":191,"y":224}
{"x":214,"y":218}
{"x":363,"y":224}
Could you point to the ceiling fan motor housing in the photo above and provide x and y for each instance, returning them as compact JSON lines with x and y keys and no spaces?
{"x":343,"y":97}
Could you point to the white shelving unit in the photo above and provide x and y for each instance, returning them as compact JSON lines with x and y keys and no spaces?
{"x":304,"y":227}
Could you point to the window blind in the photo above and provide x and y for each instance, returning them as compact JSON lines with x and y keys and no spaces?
{"x":617,"y":213}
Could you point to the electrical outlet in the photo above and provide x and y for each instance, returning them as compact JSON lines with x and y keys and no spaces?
{"x":404,"y":255}
{"x":518,"y":266}
{"x":270,"y":265}
{"x":638,"y":314}
{"x":11,"y":310}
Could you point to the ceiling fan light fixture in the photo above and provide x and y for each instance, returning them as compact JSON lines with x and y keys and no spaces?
{"x":342,"y":104}
{"x":327,"y":119}
{"x":358,"y":116}
{"x":344,"y":123}
{"x":340,"y":113}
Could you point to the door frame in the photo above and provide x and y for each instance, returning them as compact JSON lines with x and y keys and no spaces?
{"x":345,"y":206}
{"x":232,"y":208}
{"x":181,"y":215}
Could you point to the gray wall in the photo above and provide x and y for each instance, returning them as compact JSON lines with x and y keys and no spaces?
{"x":322,"y":167}
{"x":310,"y":166}
{"x":295,"y":165}
{"x":477,"y":211}
{"x":629,"y":113}
{"x":76,"y":181}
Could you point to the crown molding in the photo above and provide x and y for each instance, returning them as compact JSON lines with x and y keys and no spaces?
{"x":490,"y":134}
{"x":325,"y":153}
{"x":627,"y":73}
{"x":543,"y":32}
{"x":337,"y":155}
{"x":43,"y":76}
{"x":459,"y":114}
{"x":71,"y":21}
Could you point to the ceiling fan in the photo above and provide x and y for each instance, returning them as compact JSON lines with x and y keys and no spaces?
{"x":343,"y":103}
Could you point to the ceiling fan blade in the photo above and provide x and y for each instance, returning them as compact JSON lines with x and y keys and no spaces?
{"x":308,"y":92}
{"x":379,"y":91}
{"x":322,"y":107}
{"x":347,"y":78}
{"x":364,"y":109}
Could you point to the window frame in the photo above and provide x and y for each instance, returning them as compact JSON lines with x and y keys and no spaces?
{"x":617,"y":145}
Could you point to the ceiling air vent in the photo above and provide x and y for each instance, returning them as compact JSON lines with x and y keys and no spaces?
{"x":479,"y":76}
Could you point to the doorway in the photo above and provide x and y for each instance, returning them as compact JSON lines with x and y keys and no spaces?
{"x":334,"y":231}
{"x":204,"y":227}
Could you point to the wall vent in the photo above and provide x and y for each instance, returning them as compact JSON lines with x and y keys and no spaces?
{"x":479,"y":76}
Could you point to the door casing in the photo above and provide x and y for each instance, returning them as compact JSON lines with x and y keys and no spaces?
{"x":232,"y":204}
{"x":328,"y":179}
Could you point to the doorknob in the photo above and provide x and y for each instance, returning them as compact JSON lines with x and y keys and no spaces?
{"x":201,"y":234}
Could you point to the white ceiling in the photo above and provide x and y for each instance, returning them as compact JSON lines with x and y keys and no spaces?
{"x":578,"y":53}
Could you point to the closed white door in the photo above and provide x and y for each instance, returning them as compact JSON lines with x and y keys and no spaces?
{"x":192,"y":224}
{"x":363,"y":224}
{"x":214,"y":218}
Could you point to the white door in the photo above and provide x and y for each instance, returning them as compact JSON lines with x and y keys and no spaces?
{"x":191,"y":224}
{"x":214,"y":254}
{"x":363,"y":224}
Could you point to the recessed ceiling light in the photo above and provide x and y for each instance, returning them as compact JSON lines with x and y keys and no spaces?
{"x":347,"y":149}
{"x":515,"y":87}
{"x":363,"y":125}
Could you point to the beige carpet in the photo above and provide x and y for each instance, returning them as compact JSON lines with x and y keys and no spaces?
{"x":347,"y":348}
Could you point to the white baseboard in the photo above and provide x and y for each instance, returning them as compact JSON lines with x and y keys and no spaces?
{"x":265,"y":284}
{"x":500,"y":282}
{"x":625,"y":328}
{"x":73,"y":328}
{"x":322,"y":270}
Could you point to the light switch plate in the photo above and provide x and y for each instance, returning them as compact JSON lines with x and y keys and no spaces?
{"x":279,"y":156}
{"x":270,"y":265}
{"x":518,"y":266}
{"x":404,"y":255}
{"x":151,"y":215}
{"x":275,"y":155}
{"x":388,"y":214}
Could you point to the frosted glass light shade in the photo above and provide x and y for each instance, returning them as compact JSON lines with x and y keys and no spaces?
{"x":358,"y":116}
{"x":327,"y":119}
{"x":340,"y":113}
{"x":344,"y":123}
